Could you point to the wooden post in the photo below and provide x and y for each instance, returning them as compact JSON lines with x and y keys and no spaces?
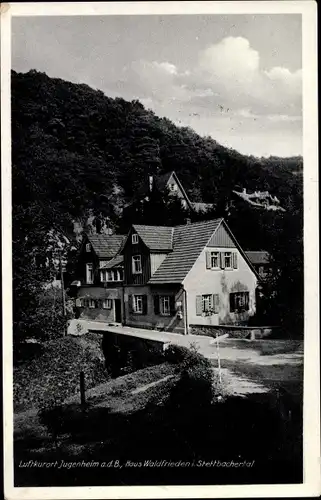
{"x":218,"y":358}
{"x":82,"y":389}
{"x":63,"y":292}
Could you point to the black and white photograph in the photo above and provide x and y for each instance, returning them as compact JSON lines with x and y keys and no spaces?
{"x":160,"y":262}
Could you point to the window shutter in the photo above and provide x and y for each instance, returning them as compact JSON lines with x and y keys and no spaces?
{"x":234,"y":260}
{"x":246,"y":301}
{"x":208,"y":260}
{"x":144,"y":304}
{"x":172,"y":305}
{"x":130,"y":303}
{"x":156,"y":304}
{"x":222,"y":260}
{"x":198,"y":305}
{"x":78,"y":303}
{"x":232,"y":302}
{"x":216,"y":303}
{"x":133,"y":266}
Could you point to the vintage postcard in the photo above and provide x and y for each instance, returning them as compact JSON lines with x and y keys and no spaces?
{"x":160,"y":249}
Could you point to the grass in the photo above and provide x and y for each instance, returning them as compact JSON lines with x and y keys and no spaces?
{"x":53,"y":374}
{"x":265,"y":347}
{"x":116,"y":424}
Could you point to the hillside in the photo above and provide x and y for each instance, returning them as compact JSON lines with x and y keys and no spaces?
{"x":77,"y":152}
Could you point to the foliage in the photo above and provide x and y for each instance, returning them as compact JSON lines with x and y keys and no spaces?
{"x":78,"y":153}
{"x":53,"y":375}
{"x":198,"y":382}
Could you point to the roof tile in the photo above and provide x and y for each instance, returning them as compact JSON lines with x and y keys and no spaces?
{"x":260,"y":257}
{"x":155,"y":237}
{"x":188,"y":242}
{"x":106,"y":246}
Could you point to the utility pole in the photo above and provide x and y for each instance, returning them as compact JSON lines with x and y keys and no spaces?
{"x":63,"y":293}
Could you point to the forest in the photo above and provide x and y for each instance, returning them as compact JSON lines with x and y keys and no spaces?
{"x":76,"y":151}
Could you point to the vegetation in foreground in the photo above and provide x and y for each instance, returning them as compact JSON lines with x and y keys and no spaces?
{"x":186,"y":418}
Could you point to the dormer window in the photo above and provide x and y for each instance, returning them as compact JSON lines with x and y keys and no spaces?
{"x":134,"y":239}
{"x":88,"y":247}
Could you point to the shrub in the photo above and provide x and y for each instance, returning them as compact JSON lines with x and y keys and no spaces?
{"x":183,"y":356}
{"x":197,"y":385}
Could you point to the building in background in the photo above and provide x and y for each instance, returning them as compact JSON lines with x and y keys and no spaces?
{"x":99,"y":278}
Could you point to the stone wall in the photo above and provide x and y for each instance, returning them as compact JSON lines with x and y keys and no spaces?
{"x":238,"y":332}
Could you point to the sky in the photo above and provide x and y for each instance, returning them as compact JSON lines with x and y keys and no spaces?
{"x":236,"y":78}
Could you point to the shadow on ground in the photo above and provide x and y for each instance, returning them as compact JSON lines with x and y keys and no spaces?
{"x":238,"y":429}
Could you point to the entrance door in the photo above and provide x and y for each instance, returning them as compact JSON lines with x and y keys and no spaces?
{"x":117,"y":311}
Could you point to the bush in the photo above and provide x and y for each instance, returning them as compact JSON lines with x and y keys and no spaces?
{"x":48,"y":379}
{"x":198,"y":384}
{"x":183,"y":356}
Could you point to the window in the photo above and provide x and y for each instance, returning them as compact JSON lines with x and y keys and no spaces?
{"x":107,"y":304}
{"x":184,"y":204}
{"x":173,"y":187}
{"x":208,"y":304}
{"x":164,"y":305}
{"x":239,"y":302}
{"x":215,"y":260}
{"x":134,"y":239}
{"x":79,"y":302}
{"x":138,"y":304}
{"x":228,"y":260}
{"x":88,"y":247}
{"x":92,"y":304}
{"x":137,"y":264}
{"x":89,"y":274}
{"x":221,"y":260}
{"x":103,"y":275}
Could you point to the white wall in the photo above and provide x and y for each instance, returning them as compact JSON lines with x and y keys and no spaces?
{"x":202,"y":281}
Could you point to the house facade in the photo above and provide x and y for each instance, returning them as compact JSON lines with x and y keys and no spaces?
{"x":99,"y":278}
{"x":167,"y":278}
{"x":169,"y":183}
{"x":159,"y":306}
{"x":196,"y":274}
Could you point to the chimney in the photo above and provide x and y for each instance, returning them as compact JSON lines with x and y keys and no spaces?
{"x":244,"y":190}
{"x":151,"y":180}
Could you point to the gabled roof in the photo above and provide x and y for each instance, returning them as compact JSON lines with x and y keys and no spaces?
{"x":161,"y":182}
{"x":156,"y":237}
{"x":258,"y":198}
{"x":106,"y":246}
{"x":260,"y":257}
{"x":115,"y":262}
{"x":188,"y":242}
